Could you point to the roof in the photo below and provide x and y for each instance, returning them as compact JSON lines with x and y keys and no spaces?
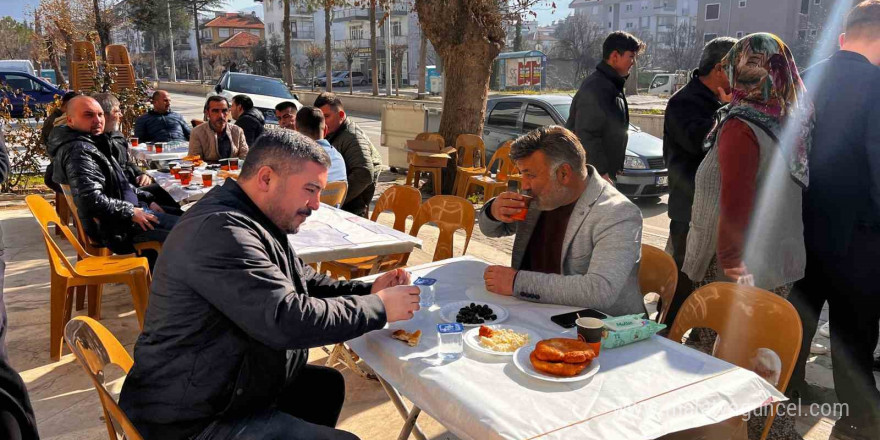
{"x":240,"y":40}
{"x":236,"y":20}
{"x":549,"y":99}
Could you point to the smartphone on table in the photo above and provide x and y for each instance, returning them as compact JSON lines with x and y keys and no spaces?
{"x":566,"y":320}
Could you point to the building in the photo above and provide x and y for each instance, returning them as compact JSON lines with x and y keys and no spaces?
{"x":302,"y":28}
{"x":226,"y":26}
{"x":652,"y":21}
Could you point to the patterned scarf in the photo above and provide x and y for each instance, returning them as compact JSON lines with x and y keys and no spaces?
{"x":768,"y":92}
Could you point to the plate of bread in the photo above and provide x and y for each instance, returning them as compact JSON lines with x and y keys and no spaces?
{"x":557,"y":360}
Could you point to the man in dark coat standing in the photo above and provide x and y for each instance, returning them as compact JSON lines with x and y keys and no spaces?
{"x":599,"y":114}
{"x":689,"y":117}
{"x":842,"y":221}
{"x":247,"y":117}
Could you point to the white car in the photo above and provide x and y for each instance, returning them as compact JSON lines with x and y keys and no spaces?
{"x":264,"y":91}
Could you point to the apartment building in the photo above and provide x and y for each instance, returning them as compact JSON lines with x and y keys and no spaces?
{"x":652,"y":21}
{"x":302,"y":27}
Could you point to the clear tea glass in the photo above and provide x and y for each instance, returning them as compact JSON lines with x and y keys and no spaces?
{"x":521,"y":215}
{"x":233,"y":164}
{"x":159,"y":147}
{"x":207,"y":178}
{"x":134,"y":141}
{"x":185,"y":177}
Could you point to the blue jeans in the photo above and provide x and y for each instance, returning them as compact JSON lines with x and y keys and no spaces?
{"x":159,"y":232}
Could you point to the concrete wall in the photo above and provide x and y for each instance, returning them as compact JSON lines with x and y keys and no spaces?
{"x":651,"y":124}
{"x":364,"y":105}
{"x":186,"y":88}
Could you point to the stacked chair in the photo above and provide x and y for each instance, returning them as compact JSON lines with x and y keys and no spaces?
{"x":119,"y":61}
{"x":83,"y":67}
{"x":414,"y":173}
{"x":492,"y":185}
{"x":471,"y":152}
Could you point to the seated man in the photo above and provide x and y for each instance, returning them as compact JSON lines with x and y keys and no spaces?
{"x":218,"y":358}
{"x":285,"y":111}
{"x":112,"y":211}
{"x":218,"y":139}
{"x":247,"y":117}
{"x":362,"y":160}
{"x":580,"y":243}
{"x":161,"y":124}
{"x":310,"y":122}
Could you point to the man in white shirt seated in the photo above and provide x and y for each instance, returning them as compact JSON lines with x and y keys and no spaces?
{"x":310,"y":122}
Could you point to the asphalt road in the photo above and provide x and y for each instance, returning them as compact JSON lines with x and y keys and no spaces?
{"x":656,"y":223}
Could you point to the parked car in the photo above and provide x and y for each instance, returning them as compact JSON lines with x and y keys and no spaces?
{"x":321,"y":79}
{"x":25,"y":66}
{"x":264,"y":91}
{"x":343,"y":79}
{"x":644,"y":172}
{"x":15,"y":84}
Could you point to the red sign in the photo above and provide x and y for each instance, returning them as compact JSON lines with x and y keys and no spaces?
{"x":529,"y":73}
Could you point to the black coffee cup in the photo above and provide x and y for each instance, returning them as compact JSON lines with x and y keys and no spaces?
{"x":591,"y":330}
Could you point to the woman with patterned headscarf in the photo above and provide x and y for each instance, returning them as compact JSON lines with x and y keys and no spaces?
{"x":746,"y":219}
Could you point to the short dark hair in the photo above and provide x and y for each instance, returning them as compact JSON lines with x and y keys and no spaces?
{"x":284,"y":105}
{"x":863,"y":21}
{"x":329,"y":98}
{"x":713,"y":52}
{"x":155,"y":94}
{"x":244,"y":101}
{"x":559,"y":145}
{"x":309,"y":120}
{"x":215,"y":98}
{"x":621,"y":42}
{"x":68,"y":96}
{"x":284,"y":151}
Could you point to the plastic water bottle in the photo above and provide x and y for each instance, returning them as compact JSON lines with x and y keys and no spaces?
{"x":426,"y":292}
{"x":451,"y":343}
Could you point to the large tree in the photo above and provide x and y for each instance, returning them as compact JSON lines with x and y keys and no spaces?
{"x":579,"y":39}
{"x":287,"y":70}
{"x":151,"y":18}
{"x":15,"y":39}
{"x":349,"y":50}
{"x":679,"y":49}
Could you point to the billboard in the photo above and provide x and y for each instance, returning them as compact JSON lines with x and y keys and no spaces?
{"x":523,"y":72}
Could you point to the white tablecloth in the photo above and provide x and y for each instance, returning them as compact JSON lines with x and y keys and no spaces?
{"x":333,"y":234}
{"x":642,"y":391}
{"x":173,"y":151}
{"x":178,"y":192}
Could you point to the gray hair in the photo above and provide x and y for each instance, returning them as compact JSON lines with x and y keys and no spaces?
{"x":713,"y":52}
{"x":284,"y":151}
{"x":107,"y":101}
{"x":559,"y":145}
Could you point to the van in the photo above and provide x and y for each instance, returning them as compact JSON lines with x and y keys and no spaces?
{"x":667,"y":84}
{"x":25,"y":66}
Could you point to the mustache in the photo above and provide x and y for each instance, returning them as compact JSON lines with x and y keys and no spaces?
{"x":305,"y":212}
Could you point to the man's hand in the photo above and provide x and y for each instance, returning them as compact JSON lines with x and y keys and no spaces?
{"x":143,"y":180}
{"x":401,"y":302}
{"x":156,"y":208}
{"x":724,"y":96}
{"x":499,"y":279}
{"x":396,"y":277}
{"x":506,"y":205}
{"x":143,"y":219}
{"x":740,"y":275}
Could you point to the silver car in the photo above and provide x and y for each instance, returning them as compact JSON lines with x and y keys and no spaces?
{"x":644,"y":172}
{"x":343,"y":79}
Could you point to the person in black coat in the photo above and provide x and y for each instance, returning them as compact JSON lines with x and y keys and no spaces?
{"x":599,"y":113}
{"x":247,"y":117}
{"x":689,"y":117}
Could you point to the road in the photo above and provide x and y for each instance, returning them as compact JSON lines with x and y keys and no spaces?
{"x":656,"y":223}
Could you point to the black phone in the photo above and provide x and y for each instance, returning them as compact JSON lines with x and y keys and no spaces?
{"x":566,"y":320}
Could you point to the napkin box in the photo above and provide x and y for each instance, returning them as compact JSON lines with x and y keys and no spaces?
{"x":427,"y":153}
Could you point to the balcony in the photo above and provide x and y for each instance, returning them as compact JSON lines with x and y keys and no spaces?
{"x":303,"y":35}
{"x":350,"y":14}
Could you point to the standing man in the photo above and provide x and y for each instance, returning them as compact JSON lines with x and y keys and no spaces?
{"x":689,"y":117}
{"x":161,"y":124}
{"x":218,"y":139}
{"x":285,"y":111}
{"x":362,"y":160}
{"x":842,"y":221}
{"x":247,"y":117}
{"x":310,"y":122}
{"x":599,"y":114}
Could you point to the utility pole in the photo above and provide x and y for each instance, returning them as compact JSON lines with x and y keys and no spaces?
{"x":388,"y":52}
{"x":171,"y":42}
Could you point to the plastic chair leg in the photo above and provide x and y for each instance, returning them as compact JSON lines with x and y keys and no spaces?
{"x":80,"y":297}
{"x":95,"y":293}
{"x":410,"y":173}
{"x":59,"y":301}
{"x":140,"y":293}
{"x":438,"y":182}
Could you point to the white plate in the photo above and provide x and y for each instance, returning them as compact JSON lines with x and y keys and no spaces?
{"x":521,"y":360}
{"x":472,"y":338}
{"x":449,"y":311}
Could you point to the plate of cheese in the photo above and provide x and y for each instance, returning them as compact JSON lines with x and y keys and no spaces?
{"x":500,"y":339}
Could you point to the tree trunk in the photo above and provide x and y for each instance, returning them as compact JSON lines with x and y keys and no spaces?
{"x":350,"y":79}
{"x":374,"y":57}
{"x":195,"y":11}
{"x":155,"y":66}
{"x":101,"y":28}
{"x":517,"y":39}
{"x":314,"y":74}
{"x":423,"y":60}
{"x":632,"y":83}
{"x":328,"y":50}
{"x":288,"y":71}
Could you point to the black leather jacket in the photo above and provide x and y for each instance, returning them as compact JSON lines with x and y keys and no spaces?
{"x":119,"y":148}
{"x":86,"y":163}
{"x":252,"y":123}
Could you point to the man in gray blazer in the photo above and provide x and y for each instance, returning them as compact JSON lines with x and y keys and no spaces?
{"x":580,"y":243}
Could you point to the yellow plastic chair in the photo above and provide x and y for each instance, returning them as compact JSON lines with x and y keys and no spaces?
{"x":746,"y":319}
{"x":658,"y":273}
{"x":90,"y":270}
{"x":334,"y":193}
{"x":404,"y":202}
{"x":449,"y":213}
{"x":117,"y":54}
{"x":94,"y":348}
{"x":414,"y":174}
{"x":471,"y":156}
{"x":492,"y":186}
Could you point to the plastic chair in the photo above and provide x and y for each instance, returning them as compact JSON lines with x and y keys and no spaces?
{"x":449,"y":213}
{"x":334,"y":193}
{"x":658,"y":273}
{"x":414,"y":174}
{"x":117,"y":54}
{"x":404,"y":201}
{"x":91,"y":270}
{"x":471,"y":154}
{"x":62,"y":210}
{"x":94,"y":348}
{"x":746,"y":319}
{"x":492,"y":185}
{"x":84,"y":51}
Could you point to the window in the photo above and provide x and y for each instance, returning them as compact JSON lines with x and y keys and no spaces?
{"x":292,"y":29}
{"x":805,"y":7}
{"x":504,"y":115}
{"x":610,"y":9}
{"x":224,"y":32}
{"x":709,"y":37}
{"x":816,"y":2}
{"x":22,"y":82}
{"x":742,"y":3}
{"x":629,"y":8}
{"x":802,"y":35}
{"x":660,"y":81}
{"x":536,"y":117}
{"x":396,"y":29}
{"x":713,"y":11}
{"x":206,"y":34}
{"x":813,"y":32}
{"x":629,"y":25}
{"x":356,"y":32}
{"x":271,"y":28}
{"x":609,"y":25}
{"x":739,"y":34}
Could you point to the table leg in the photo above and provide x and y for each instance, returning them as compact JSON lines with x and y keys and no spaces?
{"x":343,"y":354}
{"x":397,"y":400}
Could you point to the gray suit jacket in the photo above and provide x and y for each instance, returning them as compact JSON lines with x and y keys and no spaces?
{"x":600,"y":254}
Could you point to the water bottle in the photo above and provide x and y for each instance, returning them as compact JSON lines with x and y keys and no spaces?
{"x":426,"y":292}
{"x":451,"y":342}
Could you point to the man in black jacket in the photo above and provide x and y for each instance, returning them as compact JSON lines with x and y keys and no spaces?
{"x":599,"y":113}
{"x":233,"y":311}
{"x":689,"y":117}
{"x":842,"y":221}
{"x":113,"y":212}
{"x":247,"y":117}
